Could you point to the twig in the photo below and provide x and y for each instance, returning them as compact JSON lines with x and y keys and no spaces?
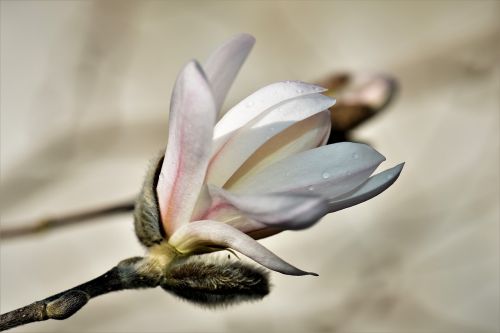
{"x":202,"y":280}
{"x":47,"y":224}
{"x":125,"y":275}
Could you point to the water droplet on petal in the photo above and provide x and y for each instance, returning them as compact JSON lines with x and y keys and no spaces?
{"x":388,"y":177}
{"x":249,"y":104}
{"x":310,"y":188}
{"x":300,"y":91}
{"x":325,"y":175}
{"x":355,"y":156}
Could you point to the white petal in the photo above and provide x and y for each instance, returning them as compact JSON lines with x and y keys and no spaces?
{"x":252,"y":228}
{"x":328,"y":127}
{"x":222,"y":211}
{"x":372,"y":187}
{"x":212,"y":233}
{"x":329,"y":170}
{"x":192,"y":116}
{"x":224,"y":64}
{"x":254,"y":134}
{"x":256,"y":104}
{"x":280,"y":210}
{"x":304,"y":135}
{"x":203,"y":204}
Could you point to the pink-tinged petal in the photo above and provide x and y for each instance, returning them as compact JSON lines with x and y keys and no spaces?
{"x":222,"y":211}
{"x":256,"y":104}
{"x":258,"y":131}
{"x":192,"y":117}
{"x":211,"y":233}
{"x":304,"y":135}
{"x":279,"y":210}
{"x":203,"y":204}
{"x":224,"y":64}
{"x":247,"y":225}
{"x":369,"y":189}
{"x":329,"y":171}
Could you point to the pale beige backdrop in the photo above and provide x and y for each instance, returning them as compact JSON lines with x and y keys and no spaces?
{"x":84,"y":104}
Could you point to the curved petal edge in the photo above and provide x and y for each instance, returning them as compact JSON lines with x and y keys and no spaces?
{"x":369,"y":189}
{"x":207,"y":232}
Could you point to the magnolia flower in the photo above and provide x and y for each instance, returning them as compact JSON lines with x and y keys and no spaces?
{"x":227,"y":180}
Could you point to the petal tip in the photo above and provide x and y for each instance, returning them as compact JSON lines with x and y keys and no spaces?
{"x":331,"y":101}
{"x":317,"y":88}
{"x":192,"y":69}
{"x":250,"y":39}
{"x":194,"y":65}
{"x":397,"y":169}
{"x":299,"y":272}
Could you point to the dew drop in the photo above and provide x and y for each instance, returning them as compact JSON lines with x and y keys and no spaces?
{"x":355,"y":156}
{"x":325,"y":175}
{"x":388,"y":177}
{"x":249,"y":104}
{"x":300,"y":91}
{"x":310,"y":188}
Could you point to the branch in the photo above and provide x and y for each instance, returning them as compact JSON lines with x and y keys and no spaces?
{"x":126,"y":275}
{"x":202,"y":280}
{"x":47,"y":224}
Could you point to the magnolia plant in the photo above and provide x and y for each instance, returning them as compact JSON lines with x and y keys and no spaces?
{"x":227,"y":180}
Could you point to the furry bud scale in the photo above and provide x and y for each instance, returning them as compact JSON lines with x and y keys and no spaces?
{"x":147,"y":222}
{"x":216,"y":282}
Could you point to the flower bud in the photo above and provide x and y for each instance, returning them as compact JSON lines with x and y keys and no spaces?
{"x":215,"y":281}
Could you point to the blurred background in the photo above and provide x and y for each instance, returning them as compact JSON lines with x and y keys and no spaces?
{"x":85,"y":89}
